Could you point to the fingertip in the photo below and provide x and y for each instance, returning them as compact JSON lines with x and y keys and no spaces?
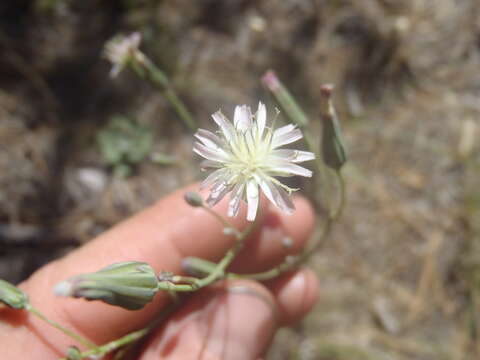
{"x":302,"y":221}
{"x":278,"y":236}
{"x":298,"y":226}
{"x":296,"y":294}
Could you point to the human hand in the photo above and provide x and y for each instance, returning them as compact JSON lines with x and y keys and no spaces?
{"x":234,"y":319}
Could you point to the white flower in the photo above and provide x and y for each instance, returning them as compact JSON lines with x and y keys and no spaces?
{"x":121,"y":50}
{"x":246,"y":157}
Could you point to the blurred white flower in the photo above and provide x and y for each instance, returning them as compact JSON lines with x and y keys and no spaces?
{"x":121,"y":50}
{"x":246,"y":157}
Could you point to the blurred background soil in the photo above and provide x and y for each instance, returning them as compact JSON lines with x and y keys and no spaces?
{"x":400,"y":275}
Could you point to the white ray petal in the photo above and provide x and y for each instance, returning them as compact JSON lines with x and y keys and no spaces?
{"x":295,"y":156}
{"x":242,"y":118}
{"x":252,"y":200}
{"x":209,"y":139}
{"x":217,"y":193}
{"x":208,"y":153}
{"x":209,"y":164}
{"x":284,"y":129}
{"x":285,"y":137}
{"x":225,"y":125}
{"x":235,"y":197}
{"x":220,"y":174}
{"x":285,"y":168}
{"x":252,"y":146}
{"x":277,"y":196}
{"x":261,"y":118}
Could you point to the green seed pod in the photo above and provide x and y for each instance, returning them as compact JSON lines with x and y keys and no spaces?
{"x":130,"y":285}
{"x":12,"y":296}
{"x":333,"y":148}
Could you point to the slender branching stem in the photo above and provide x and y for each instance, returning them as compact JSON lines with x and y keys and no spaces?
{"x":215,"y":271}
{"x":66,"y":331}
{"x":292,"y":262}
{"x":160,"y":80}
{"x":228,"y":226}
{"x":115,"y":344}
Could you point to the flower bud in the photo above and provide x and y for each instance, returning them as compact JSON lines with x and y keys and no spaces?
{"x":130,"y":285}
{"x":283,"y":97}
{"x":333,"y":149}
{"x":12,"y":296}
{"x":73,"y":353}
{"x":193,"y":199}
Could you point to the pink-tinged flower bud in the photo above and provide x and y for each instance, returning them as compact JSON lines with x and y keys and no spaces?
{"x":333,"y":148}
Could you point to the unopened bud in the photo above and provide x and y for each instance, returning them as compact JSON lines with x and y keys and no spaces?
{"x":193,"y":199}
{"x":12,"y":296}
{"x":284,"y":98}
{"x":270,"y":80}
{"x":130,"y":285}
{"x":73,"y":353}
{"x":287,"y":242}
{"x":333,"y":149}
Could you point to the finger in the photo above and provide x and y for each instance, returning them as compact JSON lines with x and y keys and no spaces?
{"x":161,"y":236}
{"x":234,"y":320}
{"x":295,"y":293}
{"x":280,"y":235}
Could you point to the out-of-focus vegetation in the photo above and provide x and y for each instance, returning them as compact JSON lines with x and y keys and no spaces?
{"x":399,"y":279}
{"x":124,"y":143}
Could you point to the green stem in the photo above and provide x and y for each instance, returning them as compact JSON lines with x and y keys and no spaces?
{"x":115,"y":344}
{"x":66,"y":331}
{"x":311,"y":146}
{"x":284,"y":99}
{"x":198,"y":266}
{"x":180,"y":108}
{"x":227,"y":224}
{"x":158,"y":78}
{"x":217,"y":271}
{"x":294,"y":262}
{"x":295,"y":114}
{"x":343,"y":193}
{"x":129,"y":339}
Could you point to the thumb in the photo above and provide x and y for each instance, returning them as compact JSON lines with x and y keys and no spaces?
{"x":232,"y":320}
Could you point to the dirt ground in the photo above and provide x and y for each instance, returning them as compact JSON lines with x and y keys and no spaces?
{"x":400,"y":276}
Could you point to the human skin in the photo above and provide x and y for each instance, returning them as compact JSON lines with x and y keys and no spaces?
{"x":234,"y":319}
